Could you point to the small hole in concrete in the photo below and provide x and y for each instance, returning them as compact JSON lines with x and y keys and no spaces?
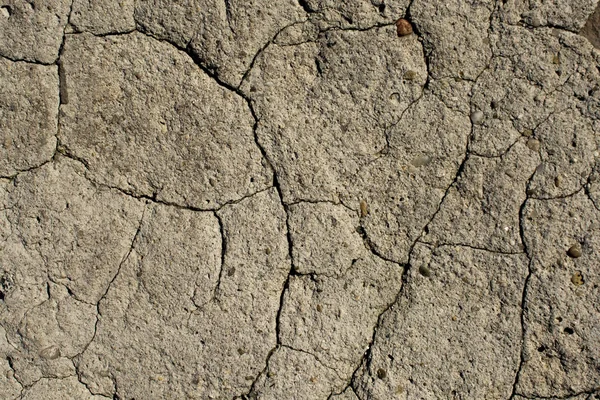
{"x":381,"y":8}
{"x":591,"y":29}
{"x":6,"y":11}
{"x":542,"y":348}
{"x":569,"y":331}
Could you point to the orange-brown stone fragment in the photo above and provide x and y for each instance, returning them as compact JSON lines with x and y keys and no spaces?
{"x":403,"y":27}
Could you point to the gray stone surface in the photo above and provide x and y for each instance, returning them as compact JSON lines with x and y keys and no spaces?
{"x":28,"y":115}
{"x":454,"y":330}
{"x":148,"y":121}
{"x":299,"y":199}
{"x":561,"y":315}
{"x":32,"y":30}
{"x":102,"y":17}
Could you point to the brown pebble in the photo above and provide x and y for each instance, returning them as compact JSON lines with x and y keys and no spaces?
{"x":425,"y":271}
{"x":364,"y":209}
{"x":557,"y":181}
{"x":403,"y":27}
{"x":533,"y":144}
{"x":574,"y":251}
{"x":381,"y":374}
{"x":410,"y":75}
{"x":577,"y":278}
{"x":527,"y":133}
{"x":319,"y":308}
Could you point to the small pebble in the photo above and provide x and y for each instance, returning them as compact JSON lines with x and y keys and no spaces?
{"x":410,"y":75}
{"x":577,"y":278}
{"x":556,"y":59}
{"x":558,"y":181}
{"x":381,"y":374}
{"x":421,"y":161}
{"x":50,"y":353}
{"x":533,"y":144}
{"x":574,"y":251}
{"x":536,"y":22}
{"x":319,"y":308}
{"x":477,"y":117}
{"x":403,"y":27}
{"x":364,"y":209}
{"x":527,"y":133}
{"x":425,"y":271}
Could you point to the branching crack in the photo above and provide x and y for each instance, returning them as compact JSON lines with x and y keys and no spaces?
{"x":529,"y":255}
{"x":223,"y":254}
{"x":116,"y":274}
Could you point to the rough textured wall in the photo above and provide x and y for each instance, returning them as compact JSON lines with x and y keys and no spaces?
{"x":322,"y":199}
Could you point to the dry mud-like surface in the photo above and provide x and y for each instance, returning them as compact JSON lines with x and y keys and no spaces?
{"x":288,"y":200}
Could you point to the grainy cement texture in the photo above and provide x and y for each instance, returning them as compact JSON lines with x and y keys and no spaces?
{"x":289,"y":200}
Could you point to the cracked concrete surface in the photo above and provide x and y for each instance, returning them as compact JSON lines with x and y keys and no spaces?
{"x":291,"y":200}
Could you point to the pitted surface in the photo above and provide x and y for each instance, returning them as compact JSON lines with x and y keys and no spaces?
{"x":299,"y":200}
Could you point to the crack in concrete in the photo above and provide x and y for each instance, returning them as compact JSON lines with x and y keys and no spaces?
{"x":62,"y":150}
{"x":112,"y":280}
{"x":529,"y":255}
{"x":223,"y":255}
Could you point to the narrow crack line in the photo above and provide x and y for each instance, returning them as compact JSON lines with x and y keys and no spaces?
{"x":18,"y":172}
{"x":389,"y":129}
{"x":372,"y":247}
{"x":69,"y":291}
{"x":529,"y":255}
{"x":223,"y":254}
{"x":285,"y":346}
{"x":367,"y":358}
{"x":64,"y":35}
{"x":125,"y":258}
{"x":188,"y":50}
{"x":109,"y":34}
{"x":65,"y":152}
{"x":229,"y":15}
{"x":446,"y":244}
{"x":252,"y":389}
{"x":306,"y":201}
{"x":358,"y":29}
{"x":11,"y":365}
{"x":259,"y":52}
{"x":321,"y":32}
{"x":566,"y":196}
{"x":26,"y":61}
{"x":419,"y":33}
{"x":286,"y":284}
{"x":588,"y":193}
{"x":500,"y":155}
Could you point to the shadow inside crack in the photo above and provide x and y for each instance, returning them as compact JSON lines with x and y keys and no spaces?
{"x":591,"y":29}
